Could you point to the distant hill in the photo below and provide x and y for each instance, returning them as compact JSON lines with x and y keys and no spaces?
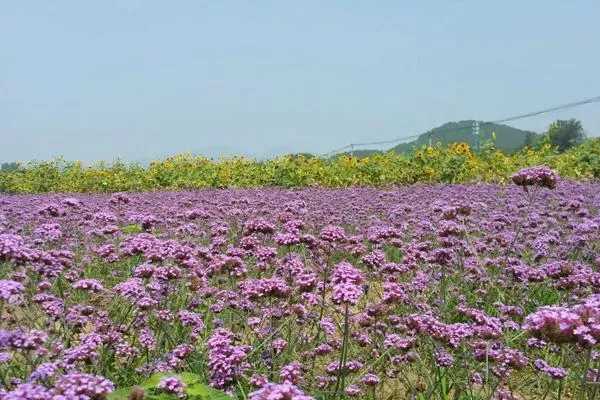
{"x":508,"y":139}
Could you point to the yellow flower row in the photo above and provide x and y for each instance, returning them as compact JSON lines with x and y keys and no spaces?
{"x":454,"y":163}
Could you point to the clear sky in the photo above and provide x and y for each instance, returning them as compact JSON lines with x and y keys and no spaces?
{"x":142,"y":79}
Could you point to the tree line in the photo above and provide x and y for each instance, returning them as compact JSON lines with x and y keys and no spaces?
{"x":561,"y":133}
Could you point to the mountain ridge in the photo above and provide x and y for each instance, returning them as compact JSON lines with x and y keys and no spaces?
{"x":508,"y":139}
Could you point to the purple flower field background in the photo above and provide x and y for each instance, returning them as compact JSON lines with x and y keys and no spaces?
{"x":423,"y":292}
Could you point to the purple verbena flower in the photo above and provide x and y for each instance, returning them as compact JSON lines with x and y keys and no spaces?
{"x":540,"y":175}
{"x":172,"y":385}
{"x":347,"y":282}
{"x":283,"y":391}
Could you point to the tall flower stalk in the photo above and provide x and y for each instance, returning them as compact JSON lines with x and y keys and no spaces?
{"x":347,"y":291}
{"x":531,"y":180}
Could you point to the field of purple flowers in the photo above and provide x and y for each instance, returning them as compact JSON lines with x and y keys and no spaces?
{"x":423,"y":292}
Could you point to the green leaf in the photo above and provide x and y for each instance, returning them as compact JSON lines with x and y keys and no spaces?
{"x":214,"y":394}
{"x":206,"y":392}
{"x":189,"y":378}
{"x":186,"y":377}
{"x":131,"y":229}
{"x":196,"y":390}
{"x":120,"y":394}
{"x":162,"y":396}
{"x":151,"y":382}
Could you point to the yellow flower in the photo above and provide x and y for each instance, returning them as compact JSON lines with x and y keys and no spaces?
{"x":529,"y":152}
{"x":429,"y":150}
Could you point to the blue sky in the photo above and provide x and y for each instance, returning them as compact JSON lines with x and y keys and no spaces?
{"x":137,"y":79}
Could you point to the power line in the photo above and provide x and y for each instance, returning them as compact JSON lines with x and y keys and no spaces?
{"x":533,"y":114}
{"x":349,"y":146}
{"x":385,"y":141}
{"x":499,"y":121}
{"x":335,"y":151}
{"x":551,"y":109}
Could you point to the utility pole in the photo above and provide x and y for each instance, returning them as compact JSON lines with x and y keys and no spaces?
{"x":429,"y":134}
{"x":352,"y":150}
{"x":476,"y":135}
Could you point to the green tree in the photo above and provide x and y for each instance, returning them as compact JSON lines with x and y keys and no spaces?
{"x":531,"y":139}
{"x":9,"y":167}
{"x":566,"y":133}
{"x":305,"y":155}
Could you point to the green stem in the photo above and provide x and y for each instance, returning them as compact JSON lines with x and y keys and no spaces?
{"x":596,"y":380}
{"x":339,"y":382}
{"x":530,"y":197}
{"x":588,"y":357}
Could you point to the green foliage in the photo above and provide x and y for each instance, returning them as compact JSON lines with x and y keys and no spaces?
{"x":131,"y":229}
{"x":204,"y":392}
{"x":566,"y":133}
{"x":194,"y":389}
{"x":361,"y":153}
{"x":120,"y":394}
{"x":9,"y":167}
{"x":453,"y":163}
{"x":305,"y":155}
{"x":531,"y":139}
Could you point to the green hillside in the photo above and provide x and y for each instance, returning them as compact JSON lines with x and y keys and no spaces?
{"x":508,"y":139}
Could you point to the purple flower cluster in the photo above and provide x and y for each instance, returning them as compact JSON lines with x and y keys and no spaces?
{"x":89,"y":285}
{"x":347,"y":282}
{"x":172,"y":385}
{"x":257,"y":288}
{"x":82,"y":386}
{"x":9,"y":290}
{"x":284,"y":391}
{"x":536,"y":176}
{"x":577,"y":324}
{"x":553,"y":372}
{"x":258,"y":225}
{"x":226,"y":361}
